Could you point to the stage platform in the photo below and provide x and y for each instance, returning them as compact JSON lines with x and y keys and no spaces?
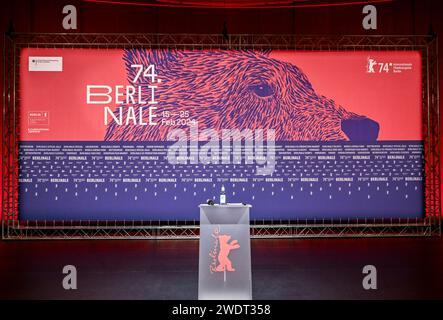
{"x":408,"y":268}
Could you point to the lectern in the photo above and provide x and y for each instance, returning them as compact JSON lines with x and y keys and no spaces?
{"x":225,"y":253}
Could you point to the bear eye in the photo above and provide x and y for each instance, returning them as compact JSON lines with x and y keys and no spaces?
{"x":262,"y":90}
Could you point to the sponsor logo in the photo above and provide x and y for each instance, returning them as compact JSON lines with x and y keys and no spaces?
{"x":373,"y":66}
{"x":45,"y":64}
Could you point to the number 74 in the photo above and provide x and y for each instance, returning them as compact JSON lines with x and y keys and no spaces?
{"x":147,"y":72}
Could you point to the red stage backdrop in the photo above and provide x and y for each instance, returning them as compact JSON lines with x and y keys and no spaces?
{"x":391,"y":98}
{"x":95,"y":125}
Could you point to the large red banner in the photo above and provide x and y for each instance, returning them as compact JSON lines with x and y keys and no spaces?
{"x":136,"y":134}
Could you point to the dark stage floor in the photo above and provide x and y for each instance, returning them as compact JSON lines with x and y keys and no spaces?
{"x":281,"y":269}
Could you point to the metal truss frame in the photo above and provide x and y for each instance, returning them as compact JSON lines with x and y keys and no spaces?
{"x":15,"y":229}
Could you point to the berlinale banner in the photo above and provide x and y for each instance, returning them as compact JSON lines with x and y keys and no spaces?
{"x":139,"y":134}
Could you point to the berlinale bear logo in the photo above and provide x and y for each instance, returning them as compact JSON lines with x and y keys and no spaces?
{"x":220,"y":252}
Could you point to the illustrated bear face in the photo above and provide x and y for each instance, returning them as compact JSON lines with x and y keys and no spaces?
{"x":227,"y":89}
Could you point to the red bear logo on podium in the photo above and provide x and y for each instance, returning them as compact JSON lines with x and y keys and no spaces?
{"x":224,"y":263}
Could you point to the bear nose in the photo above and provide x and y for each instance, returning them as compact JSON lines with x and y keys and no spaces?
{"x":360,"y":129}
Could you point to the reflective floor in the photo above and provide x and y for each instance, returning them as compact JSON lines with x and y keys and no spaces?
{"x":407,"y":268}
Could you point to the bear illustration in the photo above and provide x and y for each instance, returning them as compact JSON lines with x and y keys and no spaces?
{"x":224,"y":263}
{"x":236,"y":89}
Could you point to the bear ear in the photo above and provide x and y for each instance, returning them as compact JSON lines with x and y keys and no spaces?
{"x":160,"y":58}
{"x":266,"y":51}
{"x":253,"y":52}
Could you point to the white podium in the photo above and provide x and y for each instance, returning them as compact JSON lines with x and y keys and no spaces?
{"x":225,"y":253}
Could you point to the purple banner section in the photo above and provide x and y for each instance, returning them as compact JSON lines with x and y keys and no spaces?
{"x":134,"y":181}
